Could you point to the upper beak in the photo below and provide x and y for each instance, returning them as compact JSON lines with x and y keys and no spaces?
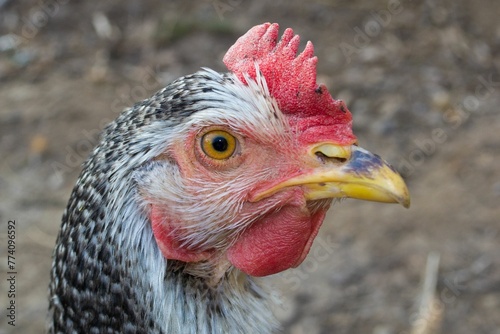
{"x":346,"y":171}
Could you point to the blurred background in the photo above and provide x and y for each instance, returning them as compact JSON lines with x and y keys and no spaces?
{"x":422,"y":79}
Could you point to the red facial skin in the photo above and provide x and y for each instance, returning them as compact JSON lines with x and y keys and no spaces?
{"x":275,"y":242}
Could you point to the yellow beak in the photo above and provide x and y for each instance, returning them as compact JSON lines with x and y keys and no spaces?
{"x":347,"y":171}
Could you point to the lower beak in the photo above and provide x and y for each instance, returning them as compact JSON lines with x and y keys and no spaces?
{"x":347,"y":172}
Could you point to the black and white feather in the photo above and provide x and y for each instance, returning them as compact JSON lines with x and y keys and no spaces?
{"x":108,"y":274}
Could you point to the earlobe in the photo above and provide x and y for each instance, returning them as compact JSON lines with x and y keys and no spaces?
{"x":165,"y":236}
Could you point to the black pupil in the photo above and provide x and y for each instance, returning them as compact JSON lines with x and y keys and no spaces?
{"x":220,"y":144}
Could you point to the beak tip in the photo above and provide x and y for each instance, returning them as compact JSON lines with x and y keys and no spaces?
{"x":403,"y":197}
{"x":402,"y":194}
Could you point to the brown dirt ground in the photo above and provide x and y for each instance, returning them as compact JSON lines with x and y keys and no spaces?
{"x":421,"y":78}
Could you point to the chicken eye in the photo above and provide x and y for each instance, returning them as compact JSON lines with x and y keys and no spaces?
{"x":218,"y":144}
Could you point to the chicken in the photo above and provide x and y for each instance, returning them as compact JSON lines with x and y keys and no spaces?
{"x":213,"y":181}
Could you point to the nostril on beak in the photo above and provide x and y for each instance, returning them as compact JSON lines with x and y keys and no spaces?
{"x":323,"y":157}
{"x":327,"y":152}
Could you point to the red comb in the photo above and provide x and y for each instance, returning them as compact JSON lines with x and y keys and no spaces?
{"x":291,"y":80}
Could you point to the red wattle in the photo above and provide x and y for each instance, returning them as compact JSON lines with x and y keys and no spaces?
{"x":276,"y":243}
